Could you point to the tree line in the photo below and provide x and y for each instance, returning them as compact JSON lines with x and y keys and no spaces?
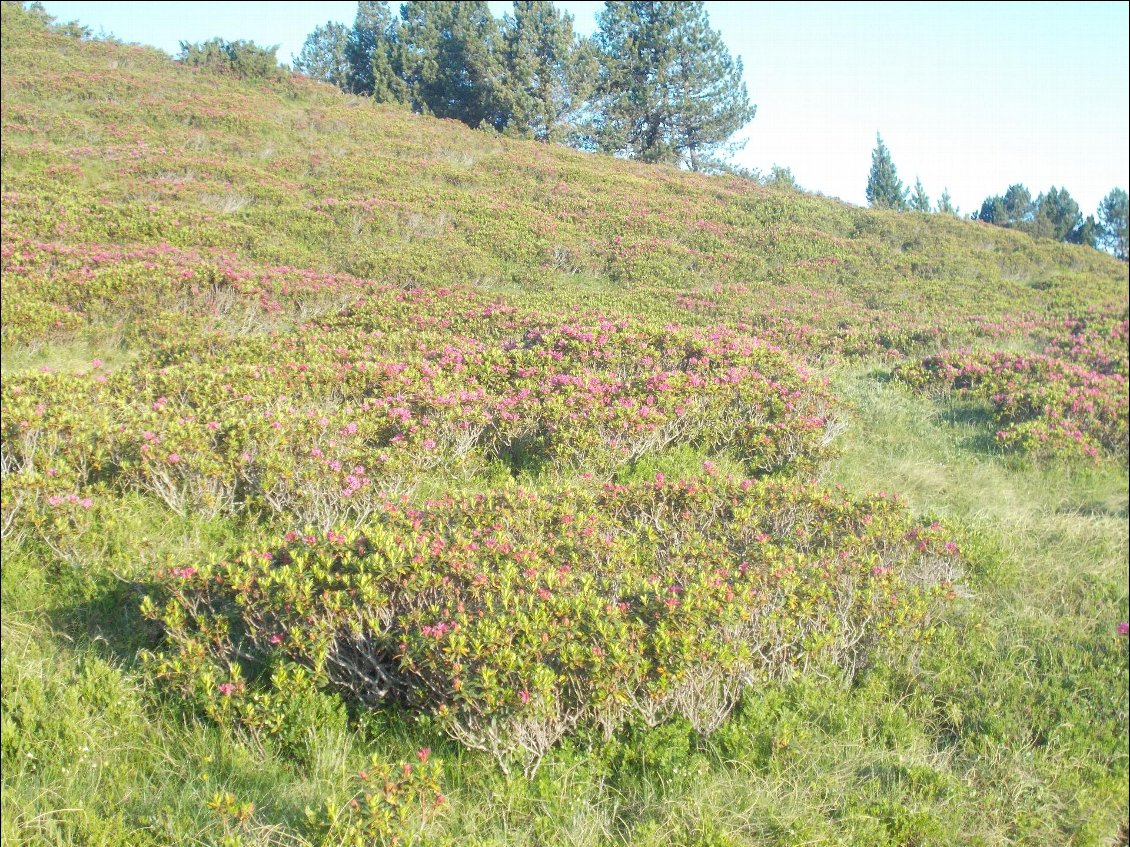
{"x":1052,"y":214}
{"x":655,"y":83}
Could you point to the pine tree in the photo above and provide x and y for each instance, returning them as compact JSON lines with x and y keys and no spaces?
{"x":1014,"y":210}
{"x":550,"y":72}
{"x":323,"y":55}
{"x":1018,"y":207}
{"x":669,"y":89}
{"x":992,"y":211}
{"x":449,"y":58}
{"x":1056,"y":215}
{"x":945,"y":204}
{"x":1113,"y":213}
{"x":920,"y":202}
{"x":1087,"y":233}
{"x":368,"y":37}
{"x":884,"y":188}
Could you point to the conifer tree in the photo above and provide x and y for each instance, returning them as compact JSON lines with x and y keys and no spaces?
{"x":324,"y":55}
{"x":371,"y":53}
{"x":1056,"y":215}
{"x":1088,"y":233}
{"x":1018,"y":207}
{"x":1113,"y":213}
{"x":550,"y":72}
{"x":945,"y":204}
{"x":1014,"y":210}
{"x":919,"y":202}
{"x":884,"y":188}
{"x":669,"y":89}
{"x":449,"y":59}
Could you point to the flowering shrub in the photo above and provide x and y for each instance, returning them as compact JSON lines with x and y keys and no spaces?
{"x":516,"y":618}
{"x":393,"y":805}
{"x":320,"y":427}
{"x":1070,"y":399}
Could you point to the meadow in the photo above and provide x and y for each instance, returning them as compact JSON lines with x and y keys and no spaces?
{"x":368,"y":479}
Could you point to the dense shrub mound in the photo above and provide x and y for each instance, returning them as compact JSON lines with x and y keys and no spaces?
{"x":1070,"y":399}
{"x":322,"y":424}
{"x":516,"y":618}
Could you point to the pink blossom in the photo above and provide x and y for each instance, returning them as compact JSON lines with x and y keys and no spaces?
{"x":173,"y":458}
{"x":524,"y":696}
{"x":1124,"y":627}
{"x":226,"y":688}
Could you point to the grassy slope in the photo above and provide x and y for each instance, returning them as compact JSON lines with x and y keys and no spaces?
{"x":1010,"y":729}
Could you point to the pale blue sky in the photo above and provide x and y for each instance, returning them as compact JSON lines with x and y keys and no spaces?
{"x":973,"y":96}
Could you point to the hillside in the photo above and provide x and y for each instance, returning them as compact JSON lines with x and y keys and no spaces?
{"x":628,"y":505}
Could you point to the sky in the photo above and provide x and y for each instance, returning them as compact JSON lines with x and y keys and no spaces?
{"x":967,"y":96}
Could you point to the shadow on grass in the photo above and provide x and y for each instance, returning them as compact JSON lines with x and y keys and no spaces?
{"x":105,"y":614}
{"x":1098,"y":509}
{"x":973,"y":425}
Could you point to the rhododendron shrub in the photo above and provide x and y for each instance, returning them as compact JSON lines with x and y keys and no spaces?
{"x":321,"y":425}
{"x":515,"y":618}
{"x":1071,"y":399}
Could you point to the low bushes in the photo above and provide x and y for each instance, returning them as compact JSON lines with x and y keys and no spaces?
{"x":1070,"y":399}
{"x":323,"y":424}
{"x":514,"y":618}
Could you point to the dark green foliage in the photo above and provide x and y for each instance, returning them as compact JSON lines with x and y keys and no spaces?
{"x":243,"y":59}
{"x":1054,"y":215}
{"x":451,"y":63}
{"x":1014,"y":210}
{"x":992,"y":212}
{"x":920,"y":202}
{"x":1088,"y":233}
{"x":1113,"y":222}
{"x":656,"y":84}
{"x":884,"y":188}
{"x":372,"y":54}
{"x":550,"y":72}
{"x":669,"y":89}
{"x":324,"y":55}
{"x":1057,"y":215}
